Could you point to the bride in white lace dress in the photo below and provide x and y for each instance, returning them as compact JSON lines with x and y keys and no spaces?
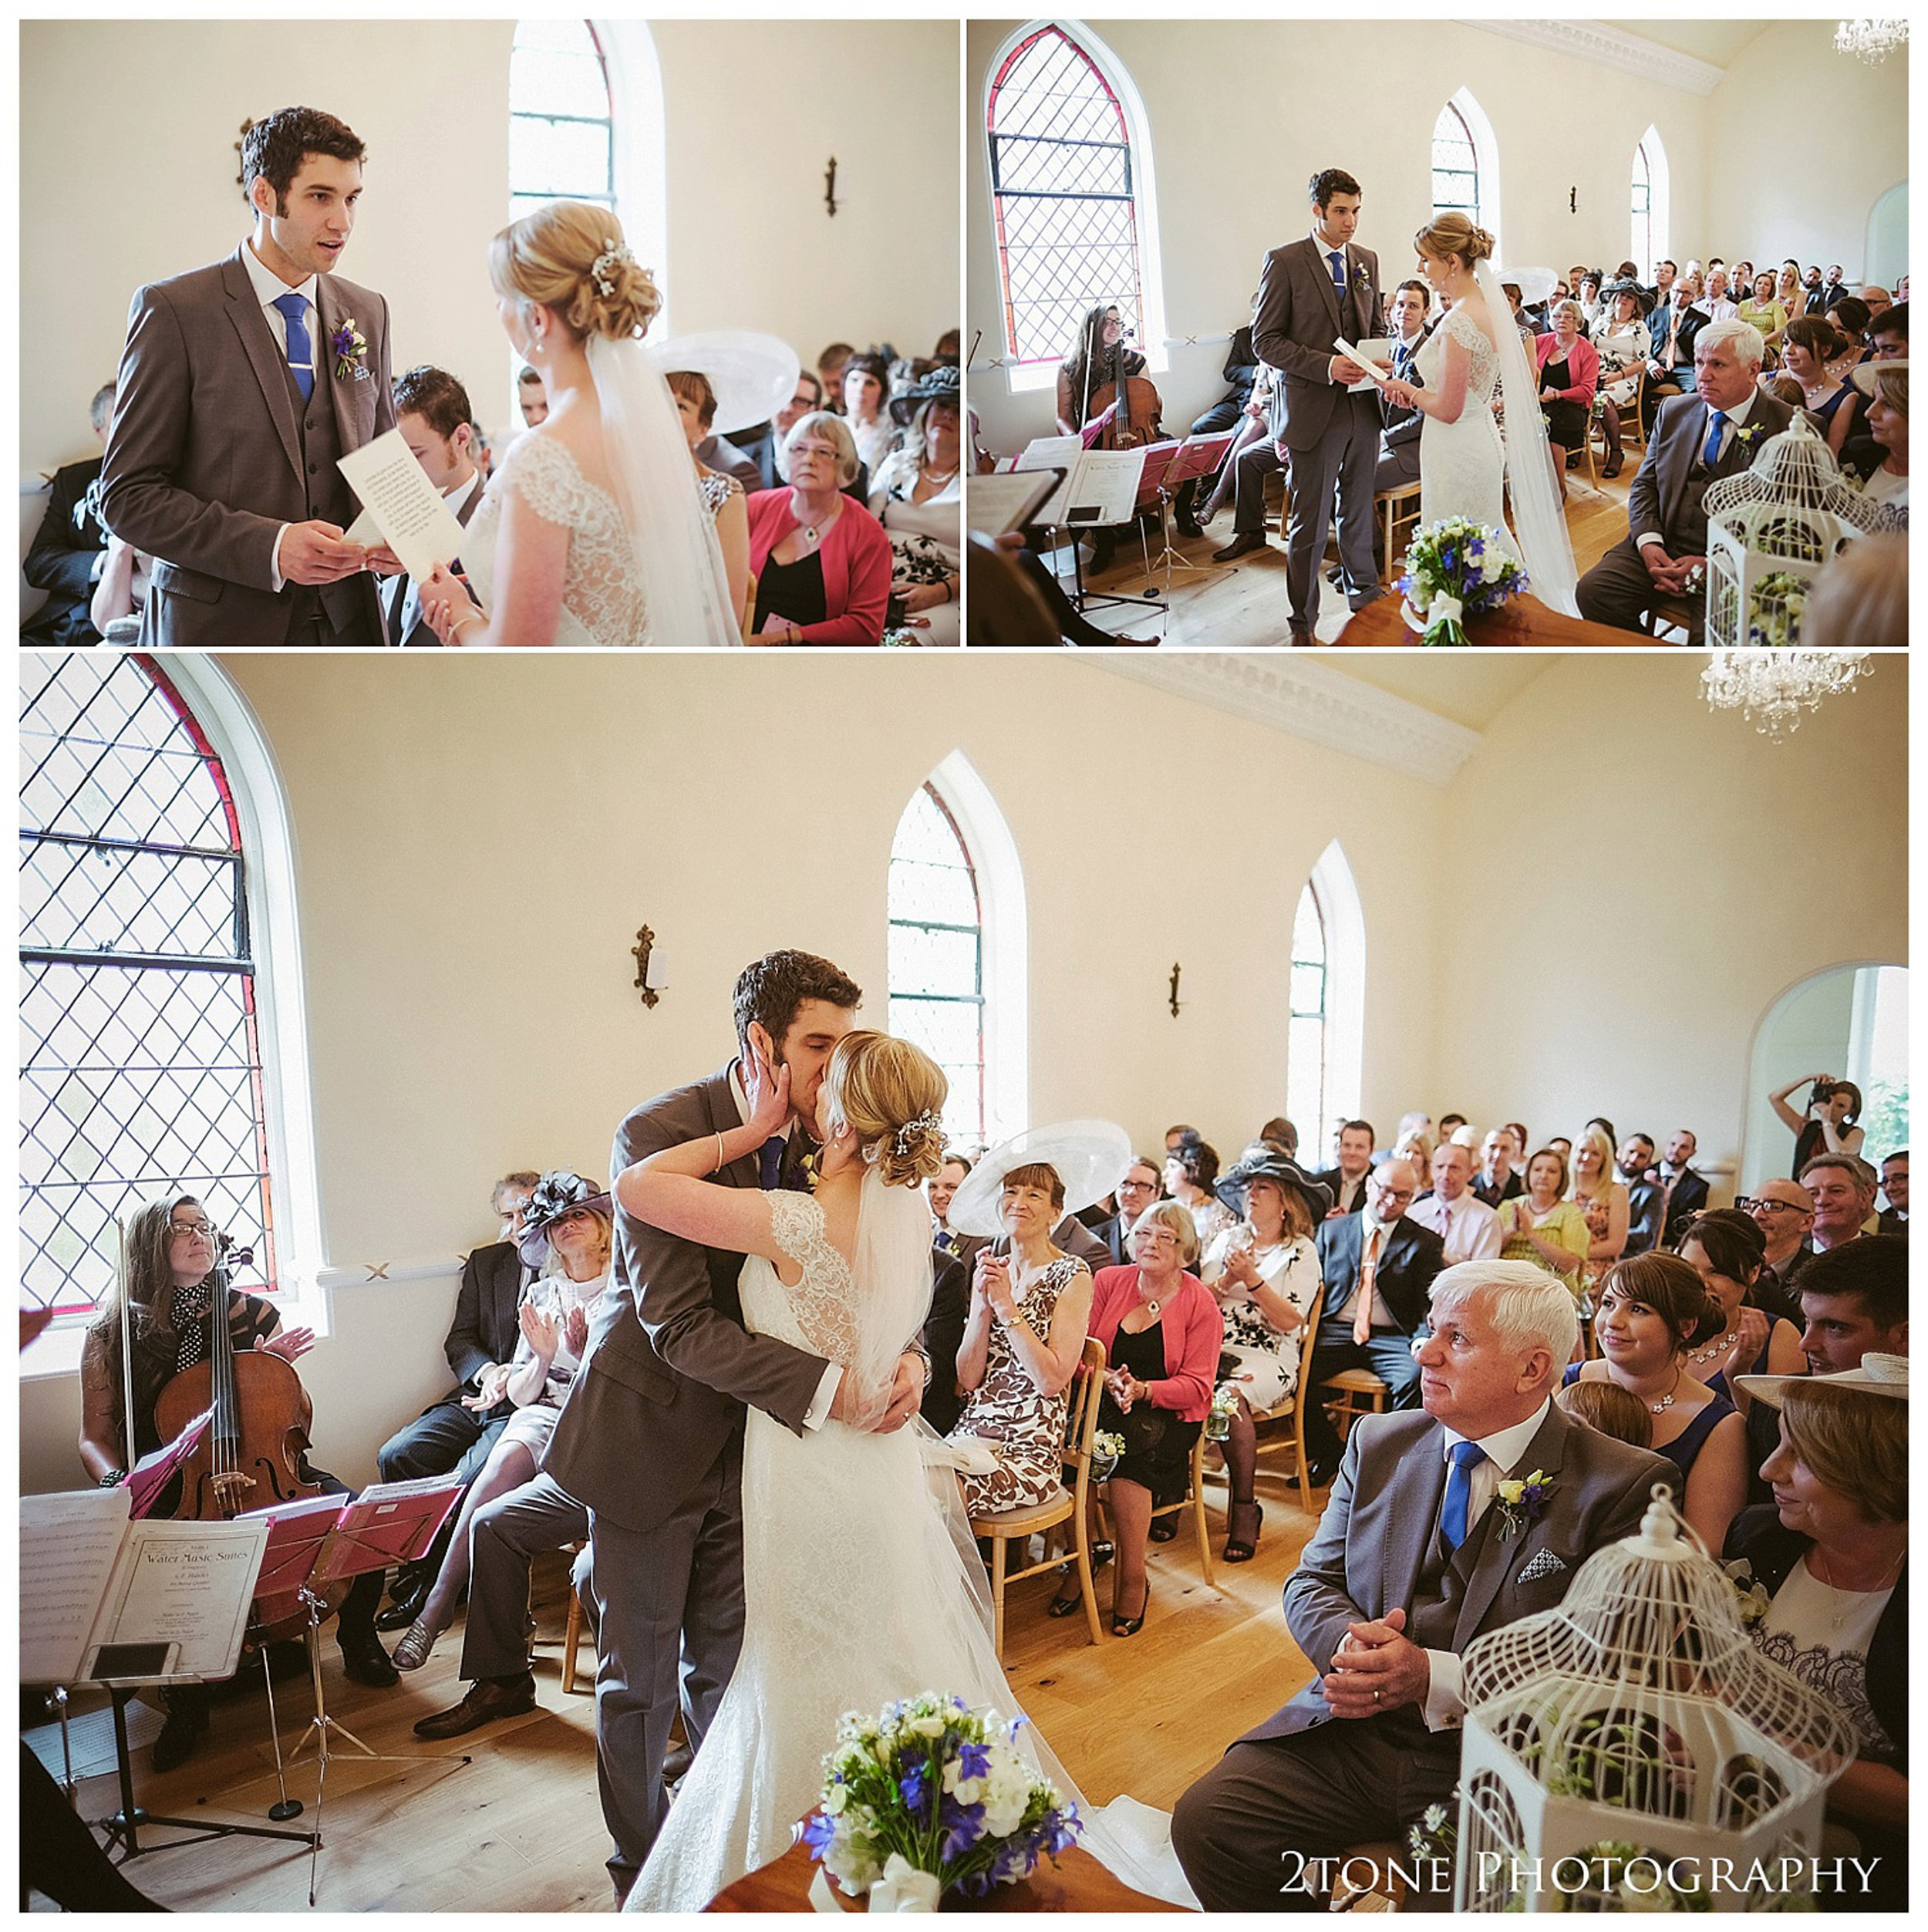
{"x":1465,"y":462}
{"x":859,"y":1587}
{"x":590,"y":532}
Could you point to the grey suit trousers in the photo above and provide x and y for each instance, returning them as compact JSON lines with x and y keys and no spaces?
{"x":504,"y":1537}
{"x":1250,"y":467}
{"x":1343,"y":458}
{"x":677,"y":1588}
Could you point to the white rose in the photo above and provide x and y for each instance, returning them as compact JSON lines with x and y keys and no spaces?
{"x":930,"y":1727}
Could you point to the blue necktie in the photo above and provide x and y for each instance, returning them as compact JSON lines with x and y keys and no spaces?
{"x":1459,"y":1493}
{"x":1710,"y":454}
{"x":300,"y":351}
{"x":1338,"y":261}
{"x":1402,"y":363}
{"x":770,"y":1162}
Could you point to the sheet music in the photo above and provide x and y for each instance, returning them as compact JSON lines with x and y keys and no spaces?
{"x":993,"y":504}
{"x":1103,"y":489}
{"x":189,"y":1583}
{"x":68,"y":1545}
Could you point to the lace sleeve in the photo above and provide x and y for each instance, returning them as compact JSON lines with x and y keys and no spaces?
{"x":1467,"y":332}
{"x":821,"y":1300}
{"x":545,"y":475}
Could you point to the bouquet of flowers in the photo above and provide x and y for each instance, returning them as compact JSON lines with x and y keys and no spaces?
{"x":932,"y":1786}
{"x":1456,"y":568}
{"x":1779,"y":599}
{"x":1107,"y":1451}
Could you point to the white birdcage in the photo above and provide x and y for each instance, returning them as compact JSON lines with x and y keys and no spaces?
{"x":1770,"y":531}
{"x":1617,"y":1746}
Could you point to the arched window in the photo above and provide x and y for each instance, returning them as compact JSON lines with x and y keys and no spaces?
{"x":1071,"y":195}
{"x":1455,"y":165}
{"x":561,"y":145}
{"x":1326,"y":1038}
{"x":1306,"y":1040}
{"x":141,"y":1040}
{"x":1649,"y":201}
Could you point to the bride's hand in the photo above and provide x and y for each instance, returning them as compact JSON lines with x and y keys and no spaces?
{"x":447,"y":605}
{"x":1401,"y":395}
{"x":767,"y":1090}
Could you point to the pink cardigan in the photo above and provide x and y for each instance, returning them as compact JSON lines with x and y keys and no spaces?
{"x":1193,"y":1329}
{"x":1582,"y":360}
{"x":857,"y":566}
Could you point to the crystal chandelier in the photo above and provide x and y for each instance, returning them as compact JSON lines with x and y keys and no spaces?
{"x":1872,"y":40}
{"x":1773,"y":688}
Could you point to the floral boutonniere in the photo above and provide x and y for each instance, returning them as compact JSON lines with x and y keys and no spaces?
{"x":348,"y":347}
{"x":1521,"y":1499}
{"x":1748,"y":435}
{"x":1752,"y":1598}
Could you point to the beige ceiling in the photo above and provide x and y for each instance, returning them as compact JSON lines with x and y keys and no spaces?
{"x":1470,"y":688}
{"x":1717,"y":40}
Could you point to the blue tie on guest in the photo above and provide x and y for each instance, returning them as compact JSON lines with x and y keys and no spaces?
{"x":1459,"y":1493}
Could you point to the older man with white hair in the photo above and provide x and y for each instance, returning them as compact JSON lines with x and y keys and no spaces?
{"x":1716,"y":432}
{"x":1417,"y":1553}
{"x":1467,"y":1227}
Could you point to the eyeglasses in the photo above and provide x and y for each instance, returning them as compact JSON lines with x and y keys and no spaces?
{"x":201,"y":1227}
{"x":1396,"y":1194}
{"x":1747,"y":1205}
{"x":1137,"y":1187}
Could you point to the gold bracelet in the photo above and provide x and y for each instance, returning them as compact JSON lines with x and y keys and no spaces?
{"x":719,"y":1158}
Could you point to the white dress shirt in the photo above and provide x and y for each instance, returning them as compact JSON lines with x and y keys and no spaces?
{"x":1736,"y":419}
{"x":1445,"y":1705}
{"x":269,"y":288}
{"x":1469,"y":1227}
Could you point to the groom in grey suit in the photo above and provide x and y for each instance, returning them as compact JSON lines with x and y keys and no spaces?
{"x":1311,"y":291}
{"x":1415,"y":1557}
{"x":650,"y":1437}
{"x":240,"y":386}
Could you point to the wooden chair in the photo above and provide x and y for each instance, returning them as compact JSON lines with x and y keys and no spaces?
{"x":1356,"y":1392}
{"x":572,"y":1629}
{"x":748,"y":627}
{"x":1019,"y":1525}
{"x":1675,"y":613}
{"x":1194,"y":1500}
{"x":1398,"y":513}
{"x":1292,"y":1411}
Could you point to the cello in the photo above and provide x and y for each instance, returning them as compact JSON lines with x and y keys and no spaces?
{"x":249,"y":1458}
{"x":1124,"y":412}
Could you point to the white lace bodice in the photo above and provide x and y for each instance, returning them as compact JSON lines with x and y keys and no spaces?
{"x":1482,"y":377}
{"x":816,"y":1314}
{"x":602,"y":596}
{"x":1461,"y":465}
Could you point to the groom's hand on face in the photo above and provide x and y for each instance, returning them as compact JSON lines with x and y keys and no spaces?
{"x":315,"y":553}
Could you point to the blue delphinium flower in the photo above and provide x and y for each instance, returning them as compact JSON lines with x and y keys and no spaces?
{"x":913,"y":1784}
{"x":963,"y":1826}
{"x":974,"y":1761}
{"x":819,"y":1828}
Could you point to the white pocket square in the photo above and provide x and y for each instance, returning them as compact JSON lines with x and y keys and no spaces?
{"x":1544,"y":1564}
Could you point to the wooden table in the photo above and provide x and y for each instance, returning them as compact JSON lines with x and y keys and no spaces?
{"x":1521,"y":620}
{"x":1077,"y":1883}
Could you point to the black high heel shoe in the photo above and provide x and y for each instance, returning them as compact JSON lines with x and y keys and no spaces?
{"x":1131,"y":1626}
{"x":1063,"y":1605}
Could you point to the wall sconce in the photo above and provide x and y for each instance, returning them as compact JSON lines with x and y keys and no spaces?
{"x":1174,"y":995}
{"x":640,"y":953}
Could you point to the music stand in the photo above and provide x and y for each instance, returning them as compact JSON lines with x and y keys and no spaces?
{"x":307,"y":1549}
{"x":1197,"y":456}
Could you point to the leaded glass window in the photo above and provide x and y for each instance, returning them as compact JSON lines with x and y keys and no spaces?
{"x":1455,"y":165}
{"x":937,"y":955}
{"x":1062,"y":196}
{"x":561,"y":143}
{"x":140,"y":1055}
{"x":1306,"y":1042}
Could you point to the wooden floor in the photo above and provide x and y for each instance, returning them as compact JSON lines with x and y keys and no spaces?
{"x":1243,"y":605}
{"x":519,"y":1829}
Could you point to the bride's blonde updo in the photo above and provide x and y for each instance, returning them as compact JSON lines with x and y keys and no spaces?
{"x":570,"y":256}
{"x":1452,"y":235}
{"x":892,"y":1095}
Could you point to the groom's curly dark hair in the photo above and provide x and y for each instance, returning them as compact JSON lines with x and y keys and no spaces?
{"x":1329,"y":181}
{"x":770,"y":990}
{"x":274,"y":146}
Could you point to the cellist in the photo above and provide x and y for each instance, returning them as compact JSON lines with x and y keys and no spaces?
{"x":170,"y":1255}
{"x":1098,"y":358}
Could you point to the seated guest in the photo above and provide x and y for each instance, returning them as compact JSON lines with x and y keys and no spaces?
{"x":114,"y":609}
{"x":167,"y":1257}
{"x":1161,"y":1332}
{"x":1716,"y":432}
{"x":532,"y":398}
{"x":1842,"y":1187}
{"x":1135,"y":1193}
{"x":1602,"y":1197}
{"x":566,"y":1234}
{"x":432,"y":412}
{"x":1716,"y":304}
{"x":1884,"y":470}
{"x":1346,"y":1176}
{"x":1621,"y":340}
{"x":938,"y":1191}
{"x":1862,"y":593}
{"x":1851,"y":317}
{"x":723,"y":495}
{"x":1763,"y":308}
{"x":821,"y":562}
{"x":1569,"y":373}
{"x":1264,"y":1273}
{"x":867,"y":392}
{"x":1853,"y":1300}
{"x":1241,"y":372}
{"x":1645,"y":1198}
{"x":1468,"y":1229}
{"x":69,"y":553}
{"x":1894,"y":1189}
{"x":1661,"y":288}
{"x":1672,"y":326}
{"x":1499,"y":1177}
{"x":1190,"y":1179}
{"x":1810,"y":341}
{"x":1687,"y":1191}
{"x":918,"y":496}
{"x":1652,"y":1312}
{"x":1783,"y":1212}
{"x":1542,"y":1226}
{"x":1023,"y":1338}
{"x":1877,"y":301}
{"x":1888,"y":334}
{"x":1832,"y":1548}
{"x":1412,"y":1537}
{"x":1398,"y":465}
{"x":808,"y":395}
{"x":1827,"y":1125}
{"x":831,"y":365}
{"x":943,"y":1336}
{"x":452,"y":1433}
{"x":1376,"y":1265}
{"x":1788,"y":292}
{"x":1587,"y":292}
{"x":1254,"y":459}
{"x":1522,"y":320}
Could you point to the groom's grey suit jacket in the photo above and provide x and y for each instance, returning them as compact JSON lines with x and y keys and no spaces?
{"x":670,"y":1364}
{"x":1299,"y":314}
{"x":211,"y":451}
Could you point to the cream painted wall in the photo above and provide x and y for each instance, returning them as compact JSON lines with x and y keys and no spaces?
{"x":1663,"y":866}
{"x":1817,"y":214}
{"x":478,"y":839}
{"x":750,"y":245}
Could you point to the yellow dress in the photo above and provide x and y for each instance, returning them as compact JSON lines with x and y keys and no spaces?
{"x":1564,"y":1224}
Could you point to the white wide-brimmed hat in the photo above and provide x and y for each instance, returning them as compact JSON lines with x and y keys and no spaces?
{"x":1534,"y":283}
{"x":754,"y":375}
{"x":1090,"y":1157}
{"x":1863,"y":374}
{"x":1878,"y":1375}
